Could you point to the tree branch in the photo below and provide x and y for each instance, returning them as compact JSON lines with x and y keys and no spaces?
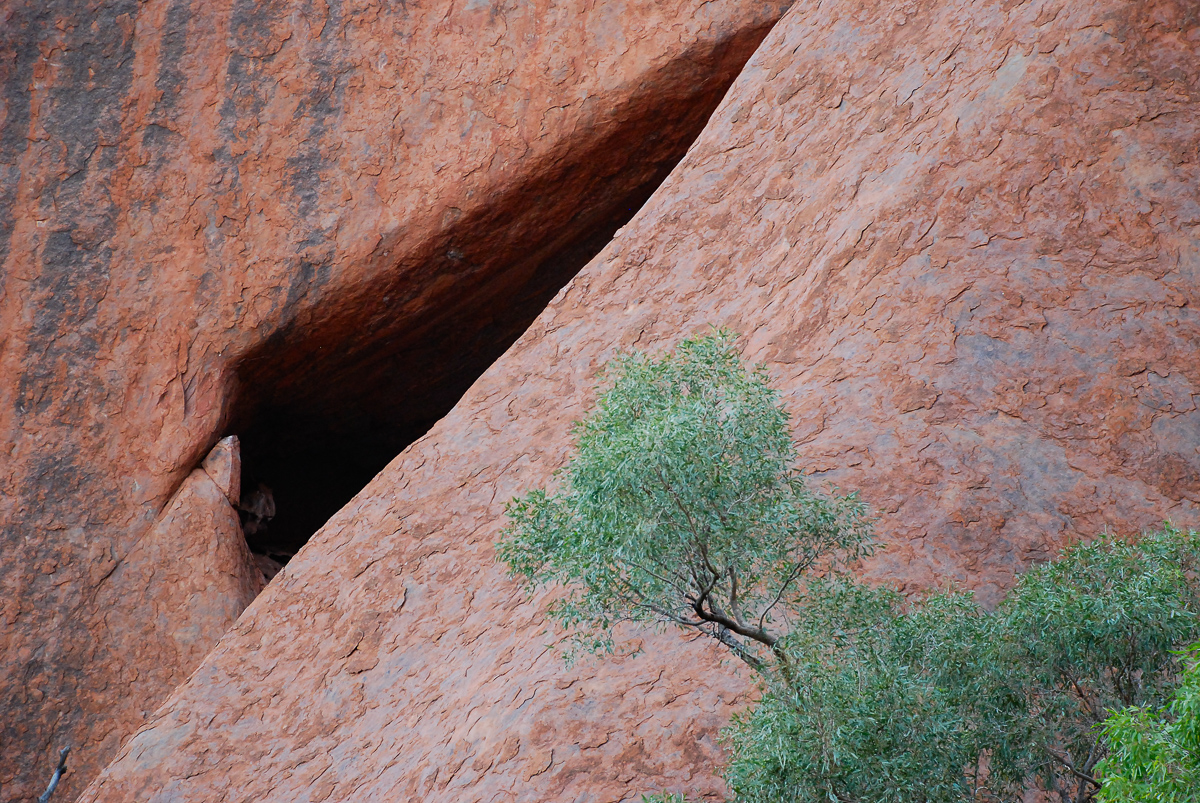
{"x":783,"y":587}
{"x":675,"y":582}
{"x":734,"y":605}
{"x":1084,"y":698}
{"x":738,"y":649}
{"x":1065,"y":760}
{"x":718,"y":617}
{"x":57,"y":776}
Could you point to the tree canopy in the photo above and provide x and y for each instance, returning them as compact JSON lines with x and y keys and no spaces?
{"x":682,"y":503}
{"x":1154,"y":753}
{"x":935,"y":700}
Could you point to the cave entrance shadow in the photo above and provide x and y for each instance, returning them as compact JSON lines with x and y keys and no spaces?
{"x":323,"y":409}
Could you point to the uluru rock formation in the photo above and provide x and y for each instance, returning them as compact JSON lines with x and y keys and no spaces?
{"x":963,"y":238}
{"x":308,"y":224}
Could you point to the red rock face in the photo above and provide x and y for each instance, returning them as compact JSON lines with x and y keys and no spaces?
{"x":962,"y":236}
{"x":310,"y":224}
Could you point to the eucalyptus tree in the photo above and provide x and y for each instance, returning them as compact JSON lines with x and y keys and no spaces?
{"x":1154,"y":752}
{"x":683,"y":503}
{"x":936,"y":700}
{"x":1096,"y":631}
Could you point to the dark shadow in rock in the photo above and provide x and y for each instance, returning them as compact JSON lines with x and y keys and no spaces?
{"x":326,"y":403}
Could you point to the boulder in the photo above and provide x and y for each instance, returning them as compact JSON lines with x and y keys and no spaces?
{"x":307,"y":224}
{"x":962,"y":236}
{"x":223,"y":465}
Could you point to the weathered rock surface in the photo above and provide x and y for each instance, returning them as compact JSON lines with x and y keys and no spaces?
{"x":962,"y":235}
{"x":223,"y":465}
{"x":260,"y":218}
{"x":175,"y":592}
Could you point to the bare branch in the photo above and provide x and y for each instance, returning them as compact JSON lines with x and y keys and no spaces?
{"x":734,"y":605}
{"x":1065,"y":760}
{"x":57,"y":776}
{"x":644,"y":602}
{"x":676,"y":582}
{"x":783,"y":587}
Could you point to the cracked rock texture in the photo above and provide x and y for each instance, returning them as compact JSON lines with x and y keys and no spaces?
{"x":962,"y":236}
{"x":209,"y":207}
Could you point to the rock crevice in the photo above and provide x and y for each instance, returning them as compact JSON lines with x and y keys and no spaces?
{"x":309,"y":226}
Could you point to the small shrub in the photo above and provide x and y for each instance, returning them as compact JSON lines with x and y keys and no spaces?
{"x":944,"y":702}
{"x":885,"y":705}
{"x":1094,"y":632}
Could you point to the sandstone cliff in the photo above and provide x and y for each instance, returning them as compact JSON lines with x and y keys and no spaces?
{"x":308,"y":223}
{"x":962,"y":235}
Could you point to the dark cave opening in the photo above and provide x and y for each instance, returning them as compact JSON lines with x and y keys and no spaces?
{"x":312,"y":454}
{"x":325,"y":408}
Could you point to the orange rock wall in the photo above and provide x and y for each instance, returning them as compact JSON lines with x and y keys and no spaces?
{"x":209,"y":206}
{"x":962,"y":236}
{"x":179,"y":588}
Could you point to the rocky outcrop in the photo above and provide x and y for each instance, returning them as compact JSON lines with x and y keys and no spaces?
{"x":962,"y":236}
{"x":243,"y":217}
{"x":174,"y":593}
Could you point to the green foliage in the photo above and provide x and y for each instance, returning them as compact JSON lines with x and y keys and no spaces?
{"x":1154,"y":754}
{"x":682,"y":503}
{"x":940,"y":701}
{"x":1094,"y":632}
{"x":885,"y":705}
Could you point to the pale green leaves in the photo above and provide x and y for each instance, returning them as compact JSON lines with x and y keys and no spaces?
{"x":682,"y":503}
{"x":939,"y":701}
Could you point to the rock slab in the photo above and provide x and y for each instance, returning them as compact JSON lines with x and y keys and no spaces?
{"x":963,"y":236}
{"x":209,"y":210}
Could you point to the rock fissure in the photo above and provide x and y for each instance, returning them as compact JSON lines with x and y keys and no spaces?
{"x":321,"y":410}
{"x":317,"y":246}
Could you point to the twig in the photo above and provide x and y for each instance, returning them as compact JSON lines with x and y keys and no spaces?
{"x":1065,"y":760}
{"x":57,"y":776}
